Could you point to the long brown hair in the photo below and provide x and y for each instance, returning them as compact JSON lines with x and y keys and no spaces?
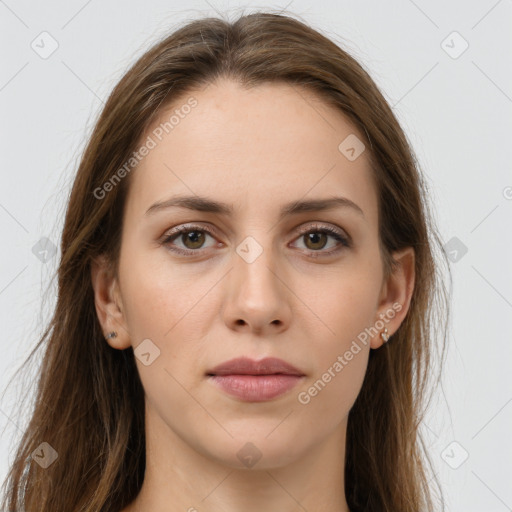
{"x":89,"y":404}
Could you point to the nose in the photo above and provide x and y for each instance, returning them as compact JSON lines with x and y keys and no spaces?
{"x":257,"y":297}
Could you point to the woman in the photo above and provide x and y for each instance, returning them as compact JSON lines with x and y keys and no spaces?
{"x":248,"y":293}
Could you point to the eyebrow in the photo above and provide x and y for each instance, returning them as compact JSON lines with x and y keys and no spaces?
{"x":204,"y":204}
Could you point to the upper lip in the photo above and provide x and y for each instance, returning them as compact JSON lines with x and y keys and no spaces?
{"x":247,"y":366}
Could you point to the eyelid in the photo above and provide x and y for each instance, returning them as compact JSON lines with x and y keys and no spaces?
{"x":321,"y":225}
{"x":188,"y":226}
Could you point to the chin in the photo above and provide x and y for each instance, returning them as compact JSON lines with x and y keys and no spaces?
{"x":257,"y":450}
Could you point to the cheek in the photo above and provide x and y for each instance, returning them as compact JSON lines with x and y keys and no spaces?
{"x":347,"y":304}
{"x":174,"y":307}
{"x":347,"y":307}
{"x":158,"y":295}
{"x":340,"y":357}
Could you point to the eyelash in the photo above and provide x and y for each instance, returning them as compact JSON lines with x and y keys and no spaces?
{"x":345,"y":242}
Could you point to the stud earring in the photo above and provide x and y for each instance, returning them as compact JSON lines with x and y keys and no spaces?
{"x":384,"y":335}
{"x":112,"y":334}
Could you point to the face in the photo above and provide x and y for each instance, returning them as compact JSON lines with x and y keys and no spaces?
{"x":253,"y":278}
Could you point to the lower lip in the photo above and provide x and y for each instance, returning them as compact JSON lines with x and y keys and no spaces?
{"x":256,"y":388}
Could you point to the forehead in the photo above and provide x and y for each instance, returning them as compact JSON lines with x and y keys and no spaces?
{"x":263,"y":146}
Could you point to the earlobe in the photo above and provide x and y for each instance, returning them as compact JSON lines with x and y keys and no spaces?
{"x":108,"y":304}
{"x":396,"y":295}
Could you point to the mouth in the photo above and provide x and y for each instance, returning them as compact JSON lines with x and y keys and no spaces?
{"x":255,"y":381}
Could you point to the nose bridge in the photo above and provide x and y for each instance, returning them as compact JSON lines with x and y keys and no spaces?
{"x":255,"y":266}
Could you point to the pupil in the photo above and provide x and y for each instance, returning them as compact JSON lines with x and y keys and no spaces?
{"x":314,"y":238}
{"x":194,"y":237}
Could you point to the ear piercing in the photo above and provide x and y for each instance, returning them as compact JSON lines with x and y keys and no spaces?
{"x":384,"y":335}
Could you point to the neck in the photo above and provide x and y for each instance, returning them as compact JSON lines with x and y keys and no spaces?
{"x":180,"y":478}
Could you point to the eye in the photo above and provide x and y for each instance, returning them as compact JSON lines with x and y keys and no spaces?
{"x":192,"y":237}
{"x":316,"y":238}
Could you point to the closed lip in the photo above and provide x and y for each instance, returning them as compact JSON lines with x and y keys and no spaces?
{"x":248,"y":366}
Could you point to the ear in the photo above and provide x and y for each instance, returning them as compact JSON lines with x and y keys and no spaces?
{"x":396,"y":293}
{"x":109,"y":307}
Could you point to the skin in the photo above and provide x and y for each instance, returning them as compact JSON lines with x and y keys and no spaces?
{"x":256,"y":150}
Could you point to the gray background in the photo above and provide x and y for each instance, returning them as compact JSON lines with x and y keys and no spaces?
{"x":455,"y":108}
